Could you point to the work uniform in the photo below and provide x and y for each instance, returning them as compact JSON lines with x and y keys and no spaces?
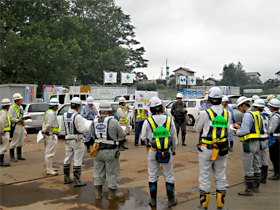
{"x":274,"y":138}
{"x":160,"y":148}
{"x":214,"y":126}
{"x":107,"y":132}
{"x":16,"y":112}
{"x":75,"y":126}
{"x":263,"y":145}
{"x":178,"y":110}
{"x":205,"y":106}
{"x":122,"y":115}
{"x":139,"y":116}
{"x":88,"y":116}
{"x":51,"y":129}
{"x":5,"y":126}
{"x":249,"y":134}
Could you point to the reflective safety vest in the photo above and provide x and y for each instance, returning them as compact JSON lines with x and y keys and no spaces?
{"x":52,"y":129}
{"x":264,"y":126}
{"x":277,"y":130}
{"x":19,"y":112}
{"x":255,"y":130}
{"x":143,"y":114}
{"x":125,"y":121}
{"x":70,"y":129}
{"x":7,"y":128}
{"x":216,"y":134}
{"x":100,"y":126}
{"x":160,"y":143}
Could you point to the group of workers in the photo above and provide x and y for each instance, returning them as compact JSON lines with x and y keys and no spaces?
{"x":160,"y":135}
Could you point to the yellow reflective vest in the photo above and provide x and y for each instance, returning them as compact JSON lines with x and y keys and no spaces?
{"x":17,"y":111}
{"x":142,"y":115}
{"x":8,"y":128}
{"x":255,"y":130}
{"x":53,"y":129}
{"x":125,"y":121}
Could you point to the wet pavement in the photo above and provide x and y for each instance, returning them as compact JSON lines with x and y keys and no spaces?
{"x":25,"y":185}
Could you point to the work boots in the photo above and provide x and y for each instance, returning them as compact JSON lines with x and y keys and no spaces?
{"x":12,"y":155}
{"x":121,"y":145}
{"x":2,"y":163}
{"x":172,"y":201}
{"x":67,"y":179}
{"x":183,"y":140}
{"x":264,"y":170}
{"x":153,"y":193}
{"x":19,"y":157}
{"x":249,"y":183}
{"x":114,"y":195}
{"x":257,"y":179}
{"x":274,"y":177}
{"x":98,"y":194}
{"x":204,"y":201}
{"x":77,"y":177}
{"x":220,"y":196}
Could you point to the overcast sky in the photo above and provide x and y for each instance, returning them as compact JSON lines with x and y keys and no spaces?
{"x":204,"y":35}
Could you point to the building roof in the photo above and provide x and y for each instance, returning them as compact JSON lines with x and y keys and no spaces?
{"x":210,"y":78}
{"x":277,"y":72}
{"x":184,"y":69}
{"x":253,"y":73}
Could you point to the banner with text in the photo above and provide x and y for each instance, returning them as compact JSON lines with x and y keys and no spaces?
{"x":142,"y":98}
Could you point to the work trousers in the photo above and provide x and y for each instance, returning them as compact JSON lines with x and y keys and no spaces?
{"x":206,"y":165}
{"x":182,"y":125}
{"x":251,"y":160}
{"x":138,"y":129}
{"x":18,"y":137}
{"x":263,"y":153}
{"x":274,"y":156}
{"x":51,"y":145}
{"x":5,"y":143}
{"x":74,"y":150}
{"x":154,"y":168}
{"x":106,"y":162}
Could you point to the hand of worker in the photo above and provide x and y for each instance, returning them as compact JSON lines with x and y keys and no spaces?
{"x":235,"y":125}
{"x":235,"y":131}
{"x":42,"y":132}
{"x":128,"y":130}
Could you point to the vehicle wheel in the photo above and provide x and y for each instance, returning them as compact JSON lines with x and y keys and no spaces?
{"x":191,"y":120}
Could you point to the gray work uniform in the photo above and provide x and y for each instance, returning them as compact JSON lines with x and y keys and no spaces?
{"x":5,"y":139}
{"x":251,"y":160}
{"x":153,"y":165}
{"x":51,"y":139}
{"x":74,"y":128}
{"x":264,"y":139}
{"x":18,"y":135}
{"x":107,"y":132}
{"x":206,"y":165}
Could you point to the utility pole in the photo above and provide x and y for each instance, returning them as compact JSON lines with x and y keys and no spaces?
{"x":167,"y":73}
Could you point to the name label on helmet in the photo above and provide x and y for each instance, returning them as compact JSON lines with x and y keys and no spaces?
{"x":161,"y":132}
{"x":220,"y":122}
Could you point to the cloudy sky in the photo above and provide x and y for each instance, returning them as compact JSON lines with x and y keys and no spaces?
{"x":204,"y":35}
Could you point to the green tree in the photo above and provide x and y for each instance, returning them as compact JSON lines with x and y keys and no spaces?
{"x":234,"y":75}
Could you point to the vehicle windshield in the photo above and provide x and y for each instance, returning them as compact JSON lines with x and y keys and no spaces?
{"x":38,"y":108}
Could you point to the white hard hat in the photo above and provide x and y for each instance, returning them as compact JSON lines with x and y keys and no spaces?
{"x":105,"y":106}
{"x":255,"y":97}
{"x":17,"y":96}
{"x":155,"y":101}
{"x":215,"y":92}
{"x":206,"y":97}
{"x":122,"y":99}
{"x":90,"y":100}
{"x":5,"y":102}
{"x":241,"y":100}
{"x":179,"y":95}
{"x":225,"y":99}
{"x":75,"y":100}
{"x":274,"y":103}
{"x":54,"y":102}
{"x":259,"y":103}
{"x":269,"y":97}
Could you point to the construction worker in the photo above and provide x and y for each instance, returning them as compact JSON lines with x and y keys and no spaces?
{"x":249,"y":134}
{"x":5,"y":128}
{"x":122,"y":112}
{"x":89,"y":112}
{"x":107,"y":132}
{"x":138,"y":118}
{"x":75,"y":127}
{"x":160,"y":133}
{"x":254,"y":97}
{"x":16,"y":115}
{"x":179,"y":111}
{"x":206,"y":104}
{"x":266,"y":109}
{"x":50,"y":129}
{"x":274,"y":137}
{"x":214,"y":123}
{"x":260,"y":104}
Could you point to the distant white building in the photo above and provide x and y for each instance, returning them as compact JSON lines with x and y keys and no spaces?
{"x":184,"y":72}
{"x":253,"y":75}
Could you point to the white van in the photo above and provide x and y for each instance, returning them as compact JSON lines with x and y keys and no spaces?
{"x":65,"y":98}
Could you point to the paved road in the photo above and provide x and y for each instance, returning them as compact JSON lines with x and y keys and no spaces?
{"x":24,"y":185}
